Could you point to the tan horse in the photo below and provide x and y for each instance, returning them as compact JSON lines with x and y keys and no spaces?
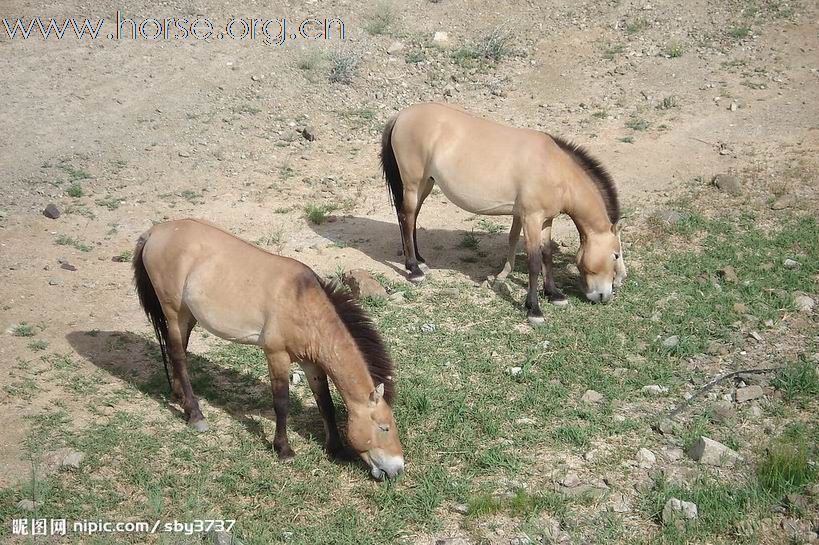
{"x":190,"y":271}
{"x":488,"y":168}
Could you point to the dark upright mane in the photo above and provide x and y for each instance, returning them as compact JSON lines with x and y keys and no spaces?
{"x":365,"y":335}
{"x":597,"y":172}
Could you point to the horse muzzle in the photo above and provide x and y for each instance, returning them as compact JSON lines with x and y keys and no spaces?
{"x":384,"y":466}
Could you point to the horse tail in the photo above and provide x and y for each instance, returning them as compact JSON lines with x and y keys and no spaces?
{"x":390,"y":167}
{"x":150,"y":302}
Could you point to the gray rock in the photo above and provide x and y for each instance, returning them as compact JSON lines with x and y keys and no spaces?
{"x":428,"y":328}
{"x":713,"y":453}
{"x":522,"y":540}
{"x":309,"y":133}
{"x":363,"y":284}
{"x":619,"y":503}
{"x":570,"y":480}
{"x":27,"y":505}
{"x":72,"y":460}
{"x":676,"y":510}
{"x":51,"y":211}
{"x":722,"y":411}
{"x":666,"y":426}
{"x":654,"y":390}
{"x":591,"y":396}
{"x":646,"y":458}
{"x":804,"y":303}
{"x":782,"y":202}
{"x":440,"y":38}
{"x":671,"y":342}
{"x":68,"y":266}
{"x":748,"y":393}
{"x":55,"y":282}
{"x":790,"y":263}
{"x":224,"y":538}
{"x":515,"y":371}
{"x":394,"y":48}
{"x":728,"y":183}
{"x":461,"y":508}
{"x":668,"y":217}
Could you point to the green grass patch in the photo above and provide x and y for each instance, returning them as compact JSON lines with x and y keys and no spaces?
{"x":23,"y":330}
{"x":318,"y":213}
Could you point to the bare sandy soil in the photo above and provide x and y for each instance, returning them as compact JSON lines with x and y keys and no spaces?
{"x":159,"y":130}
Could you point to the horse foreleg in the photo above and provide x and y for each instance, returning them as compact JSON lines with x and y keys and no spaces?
{"x":532,"y":232}
{"x":550,"y":290}
{"x":514,"y":235}
{"x":317,"y":379}
{"x":278,"y":365}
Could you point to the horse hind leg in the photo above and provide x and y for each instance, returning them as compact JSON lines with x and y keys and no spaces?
{"x":406,"y":220}
{"x":180,"y":324}
{"x":427,"y":189}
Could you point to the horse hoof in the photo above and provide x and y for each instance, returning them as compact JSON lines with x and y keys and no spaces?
{"x":198,"y":425}
{"x":560,"y":302}
{"x":417,"y":278}
{"x":536,"y":321}
{"x":285,"y":454}
{"x":423,"y":267}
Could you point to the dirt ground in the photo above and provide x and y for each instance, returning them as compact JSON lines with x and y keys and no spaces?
{"x":169,"y":129}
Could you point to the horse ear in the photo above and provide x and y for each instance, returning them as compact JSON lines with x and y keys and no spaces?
{"x":377,"y":394}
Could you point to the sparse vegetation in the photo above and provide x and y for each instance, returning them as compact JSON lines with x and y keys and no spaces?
{"x":612,"y":51}
{"x":382,"y":19}
{"x":343,"y":66}
{"x":638,"y":124}
{"x":668,"y":103}
{"x":65,"y":240}
{"x":75,"y":190}
{"x":38,"y":345}
{"x":110,"y":202}
{"x":470,"y":240}
{"x":673,"y":50}
{"x":637,"y":25}
{"x":23,"y":330}
{"x":489,"y":226}
{"x":317,"y":213}
{"x":739,"y":32}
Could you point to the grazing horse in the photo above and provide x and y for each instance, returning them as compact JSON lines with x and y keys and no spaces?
{"x":191,"y":271}
{"x":493,"y":169}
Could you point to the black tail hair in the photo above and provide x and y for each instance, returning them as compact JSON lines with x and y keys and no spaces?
{"x":150,"y":302}
{"x":390,"y":167}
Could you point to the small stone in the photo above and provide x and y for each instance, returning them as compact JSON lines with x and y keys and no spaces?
{"x":295,"y":379}
{"x":256,"y":78}
{"x":673,"y":454}
{"x":440,"y":38}
{"x":72,"y":460}
{"x":591,"y":396}
{"x":461,"y":508}
{"x":55,"y":282}
{"x":224,"y":538}
{"x":655,"y":390}
{"x":620,"y":504}
{"x":713,"y":453}
{"x":804,"y":303}
{"x":678,"y":510}
{"x":51,"y":211}
{"x":184,"y":154}
{"x":394,"y":48}
{"x":309,"y":133}
{"x":748,"y":393}
{"x":570,"y":480}
{"x":68,"y":266}
{"x":646,"y":458}
{"x":728,"y":183}
{"x":733,"y":107}
{"x":451,"y":541}
{"x":27,"y":505}
{"x":755,"y":411}
{"x":722,"y":411}
{"x":515,"y":371}
{"x":668,"y":217}
{"x":427,"y":328}
{"x":522,"y":540}
{"x":667,"y":426}
{"x":796,"y":502}
{"x":671,"y":342}
{"x":363,"y":284}
{"x":398,"y":297}
{"x":729,"y":274}
{"x":790,"y":263}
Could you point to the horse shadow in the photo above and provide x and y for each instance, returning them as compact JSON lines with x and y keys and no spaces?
{"x":244,"y":397}
{"x":445,"y":249}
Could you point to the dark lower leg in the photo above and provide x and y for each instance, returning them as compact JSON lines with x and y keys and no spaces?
{"x":321,"y":391}
{"x":281,"y":406}
{"x":407,"y":221}
{"x":532,"y":304}
{"x":549,"y":288}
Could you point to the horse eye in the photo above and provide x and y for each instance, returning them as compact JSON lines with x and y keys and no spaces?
{"x":616,"y":256}
{"x":383,"y":428}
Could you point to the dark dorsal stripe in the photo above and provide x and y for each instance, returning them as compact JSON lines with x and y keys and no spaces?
{"x":597,"y":172}
{"x":366,"y":337}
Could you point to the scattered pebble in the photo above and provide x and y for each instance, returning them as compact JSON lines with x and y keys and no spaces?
{"x":51,"y":211}
{"x":671,"y":342}
{"x":676,"y":510}
{"x":655,"y":390}
{"x":728,"y":183}
{"x":591,"y":396}
{"x":748,"y":393}
{"x":713,"y":453}
{"x":515,"y":371}
{"x":309,"y":133}
{"x":427,"y":328}
{"x":804,"y":303}
{"x":646,"y":458}
{"x":394,"y":48}
{"x":790,"y":263}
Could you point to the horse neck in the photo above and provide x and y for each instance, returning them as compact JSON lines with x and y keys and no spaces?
{"x":586,"y":206}
{"x":338,"y":355}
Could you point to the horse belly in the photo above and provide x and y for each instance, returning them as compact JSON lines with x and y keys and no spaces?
{"x":222,"y":318}
{"x":476,"y":198}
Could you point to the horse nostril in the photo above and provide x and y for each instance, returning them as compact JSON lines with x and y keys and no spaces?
{"x":601,"y":298}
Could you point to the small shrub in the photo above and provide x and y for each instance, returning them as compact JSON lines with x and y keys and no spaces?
{"x":495,"y":45}
{"x":38,"y":345}
{"x":470,"y":241}
{"x":674,"y":50}
{"x":382,"y":18}
{"x":343,"y":66}
{"x":75,"y":190}
{"x":637,"y":124}
{"x":317,"y":213}
{"x":23,"y":330}
{"x":637,"y":25}
{"x":739,"y":32}
{"x":668,"y":103}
